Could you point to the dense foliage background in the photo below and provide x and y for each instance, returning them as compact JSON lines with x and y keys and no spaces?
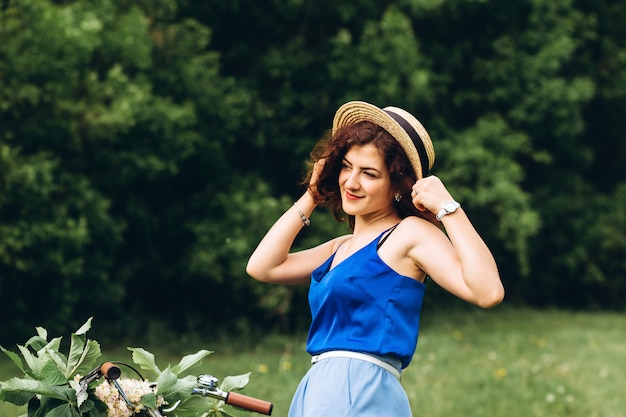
{"x":146,"y":146}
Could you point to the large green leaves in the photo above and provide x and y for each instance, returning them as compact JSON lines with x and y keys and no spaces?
{"x":177,"y":388}
{"x":20,"y":390}
{"x":51,"y":387}
{"x":48,"y":372}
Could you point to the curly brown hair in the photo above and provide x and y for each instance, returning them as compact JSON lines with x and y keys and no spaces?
{"x":333,"y":149}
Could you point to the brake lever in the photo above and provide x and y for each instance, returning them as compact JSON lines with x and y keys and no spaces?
{"x":208,"y":387}
{"x":106,"y":369}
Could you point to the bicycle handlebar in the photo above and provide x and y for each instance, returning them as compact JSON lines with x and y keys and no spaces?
{"x":207,"y":387}
{"x":110,"y":370}
{"x":249,"y":403}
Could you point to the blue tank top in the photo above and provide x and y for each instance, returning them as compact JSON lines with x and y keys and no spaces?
{"x":363,"y":305}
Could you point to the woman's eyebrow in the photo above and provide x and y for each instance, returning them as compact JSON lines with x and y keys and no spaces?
{"x":365,"y":168}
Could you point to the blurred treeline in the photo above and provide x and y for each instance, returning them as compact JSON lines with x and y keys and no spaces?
{"x":146,"y":146}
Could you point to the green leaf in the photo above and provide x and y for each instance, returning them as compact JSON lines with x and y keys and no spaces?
{"x":36,"y":342}
{"x":21,"y":386}
{"x":166,"y":381}
{"x":64,"y":410}
{"x":149,"y":400}
{"x":35,"y":364}
{"x":54,"y":344}
{"x":86,"y":406}
{"x":174,"y":389}
{"x":194,"y":406}
{"x":43,"y":407}
{"x":93,"y":407}
{"x":84,"y":328}
{"x":55,"y":358}
{"x":236,"y":382}
{"x":16,"y":359}
{"x":41,"y":332}
{"x":81,"y":349}
{"x":74,"y":359}
{"x":90,"y":355}
{"x":190,"y":361}
{"x":145,"y":360}
{"x":52,"y":374}
{"x":16,"y":397}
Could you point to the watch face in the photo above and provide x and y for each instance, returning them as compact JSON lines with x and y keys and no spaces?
{"x":450,"y":207}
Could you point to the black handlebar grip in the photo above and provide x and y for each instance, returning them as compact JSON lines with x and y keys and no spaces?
{"x":249,"y":403}
{"x":110,"y":370}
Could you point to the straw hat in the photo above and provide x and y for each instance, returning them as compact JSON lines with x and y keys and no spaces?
{"x":400,"y":124}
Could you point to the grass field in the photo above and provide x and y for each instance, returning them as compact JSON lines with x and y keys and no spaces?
{"x":495,"y":363}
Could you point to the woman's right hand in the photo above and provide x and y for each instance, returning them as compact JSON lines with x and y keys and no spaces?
{"x":315,"y":174}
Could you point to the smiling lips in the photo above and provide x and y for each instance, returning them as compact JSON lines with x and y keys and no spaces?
{"x":351,"y":196}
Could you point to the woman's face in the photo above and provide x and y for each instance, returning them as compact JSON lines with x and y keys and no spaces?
{"x":364,"y":182}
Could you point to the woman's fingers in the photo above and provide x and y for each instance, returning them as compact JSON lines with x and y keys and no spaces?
{"x":429,"y":194}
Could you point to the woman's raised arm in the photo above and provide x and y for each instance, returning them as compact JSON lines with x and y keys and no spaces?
{"x":272,"y":261}
{"x":461,"y":263}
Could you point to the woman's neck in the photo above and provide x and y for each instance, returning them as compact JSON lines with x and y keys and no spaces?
{"x":374,"y":222}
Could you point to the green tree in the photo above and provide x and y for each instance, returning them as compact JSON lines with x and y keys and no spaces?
{"x":505,"y":88}
{"x":145,"y":147}
{"x":100,"y":104}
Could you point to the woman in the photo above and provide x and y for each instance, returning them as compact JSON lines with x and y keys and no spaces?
{"x":366,"y":288}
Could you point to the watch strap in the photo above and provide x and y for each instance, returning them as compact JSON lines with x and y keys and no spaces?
{"x":444,"y":211}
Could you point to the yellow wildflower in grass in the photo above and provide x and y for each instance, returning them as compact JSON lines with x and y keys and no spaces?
{"x":262,"y":368}
{"x":500,"y":373}
{"x":539,"y":342}
{"x":284,"y":364}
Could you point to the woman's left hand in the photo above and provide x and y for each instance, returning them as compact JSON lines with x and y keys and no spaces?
{"x":429,"y":194}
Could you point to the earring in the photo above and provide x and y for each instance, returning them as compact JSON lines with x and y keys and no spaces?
{"x":397,"y":197}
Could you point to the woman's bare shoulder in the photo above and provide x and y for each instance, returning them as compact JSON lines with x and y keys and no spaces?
{"x":415,"y":230}
{"x":338,"y":241}
{"x":415,"y":222}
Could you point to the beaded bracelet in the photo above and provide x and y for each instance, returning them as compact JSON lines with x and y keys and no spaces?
{"x":305,"y":220}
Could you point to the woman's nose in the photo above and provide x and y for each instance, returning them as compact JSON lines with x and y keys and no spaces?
{"x":352,"y":180}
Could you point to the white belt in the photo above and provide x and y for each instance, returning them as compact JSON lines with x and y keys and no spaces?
{"x":356,"y":355}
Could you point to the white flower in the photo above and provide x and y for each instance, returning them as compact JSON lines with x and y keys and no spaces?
{"x":134,"y":390}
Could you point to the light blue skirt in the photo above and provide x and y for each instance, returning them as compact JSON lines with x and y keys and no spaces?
{"x":347,"y":387}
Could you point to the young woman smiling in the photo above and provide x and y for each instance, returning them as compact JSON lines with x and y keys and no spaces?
{"x":366,"y":288}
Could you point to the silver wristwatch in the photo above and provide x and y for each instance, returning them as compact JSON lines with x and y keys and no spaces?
{"x":448,"y":207}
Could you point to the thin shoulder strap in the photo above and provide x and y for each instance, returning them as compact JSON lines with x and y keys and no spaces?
{"x":380,"y":243}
